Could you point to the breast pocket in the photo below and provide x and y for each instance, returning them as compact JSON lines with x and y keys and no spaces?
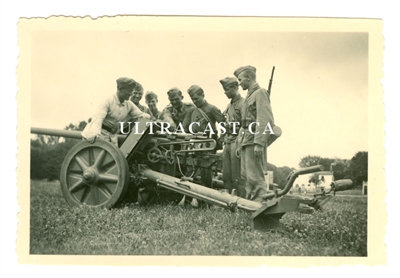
{"x":253,"y":110}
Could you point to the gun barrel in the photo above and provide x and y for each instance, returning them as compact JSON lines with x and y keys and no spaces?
{"x":64,"y":133}
{"x":57,"y":132}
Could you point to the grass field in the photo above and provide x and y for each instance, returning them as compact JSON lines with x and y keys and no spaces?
{"x":56,"y":228}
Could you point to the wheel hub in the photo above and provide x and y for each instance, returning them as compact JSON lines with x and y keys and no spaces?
{"x":90,"y":175}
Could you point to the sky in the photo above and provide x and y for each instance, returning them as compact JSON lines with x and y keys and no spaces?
{"x":319,"y":93}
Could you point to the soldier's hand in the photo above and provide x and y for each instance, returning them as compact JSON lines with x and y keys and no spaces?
{"x":220,"y":143}
{"x":258,"y":151}
{"x":91,"y":140}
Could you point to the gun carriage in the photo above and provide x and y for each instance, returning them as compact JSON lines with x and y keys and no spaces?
{"x":100,"y":174}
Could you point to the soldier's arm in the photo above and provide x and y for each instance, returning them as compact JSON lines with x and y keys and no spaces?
{"x":94,"y":127}
{"x":166,"y":116}
{"x":135,"y":112}
{"x":217,"y":114}
{"x":187,"y":120}
{"x":264,"y":116}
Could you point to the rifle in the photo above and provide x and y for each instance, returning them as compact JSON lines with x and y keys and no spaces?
{"x":270,"y":81}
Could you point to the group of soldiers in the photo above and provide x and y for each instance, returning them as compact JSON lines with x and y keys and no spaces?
{"x":244,"y":152}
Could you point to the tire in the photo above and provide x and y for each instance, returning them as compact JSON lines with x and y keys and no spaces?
{"x":95,"y":174}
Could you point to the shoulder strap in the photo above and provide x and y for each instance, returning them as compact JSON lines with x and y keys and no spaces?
{"x":204,"y":114}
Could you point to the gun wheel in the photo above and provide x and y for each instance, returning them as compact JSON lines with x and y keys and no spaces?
{"x":94,"y":174}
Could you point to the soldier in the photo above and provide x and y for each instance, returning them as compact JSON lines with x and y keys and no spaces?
{"x":151,"y":101}
{"x":115,"y":109}
{"x":203,"y":116}
{"x":176,"y":111}
{"x":136,"y":97}
{"x":231,"y":162}
{"x":256,"y":117}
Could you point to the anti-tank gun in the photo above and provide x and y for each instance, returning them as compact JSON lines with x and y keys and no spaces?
{"x":100,"y":174}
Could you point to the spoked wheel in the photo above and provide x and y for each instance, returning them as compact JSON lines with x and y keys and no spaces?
{"x":94,"y":174}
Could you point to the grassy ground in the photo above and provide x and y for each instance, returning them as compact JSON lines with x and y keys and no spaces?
{"x":56,"y":228}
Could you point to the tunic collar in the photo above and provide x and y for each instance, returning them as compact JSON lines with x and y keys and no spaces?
{"x":205,"y":103}
{"x":235,"y":98}
{"x":253,"y":89}
{"x":119,"y":103}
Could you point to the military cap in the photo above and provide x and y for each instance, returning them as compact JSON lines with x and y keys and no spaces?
{"x":194,"y":89}
{"x":174,"y":91}
{"x":150,"y":95}
{"x":138,"y":87}
{"x":228,"y":80}
{"x":245,"y":68}
{"x":125,"y":82}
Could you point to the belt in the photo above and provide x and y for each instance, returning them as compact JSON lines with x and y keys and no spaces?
{"x":109,"y":129}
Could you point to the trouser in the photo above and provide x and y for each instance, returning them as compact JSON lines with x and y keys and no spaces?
{"x":109,"y":137}
{"x":252,"y":171}
{"x":231,"y":169}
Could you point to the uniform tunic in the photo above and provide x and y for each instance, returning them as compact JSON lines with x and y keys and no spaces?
{"x":155,"y":114}
{"x":110,"y":113}
{"x":174,"y":116}
{"x":143,"y":109}
{"x":231,"y":163}
{"x":194,"y":115}
{"x":257,"y":108}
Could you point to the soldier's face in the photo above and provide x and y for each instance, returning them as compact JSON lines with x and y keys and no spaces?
{"x":230,"y":91}
{"x":197,"y":99}
{"x":136,"y":96}
{"x":124,"y":93}
{"x":243,"y":81}
{"x":175,"y":100}
{"x":152,"y":103}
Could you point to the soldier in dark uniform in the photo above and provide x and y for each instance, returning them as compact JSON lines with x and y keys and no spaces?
{"x":203,"y":116}
{"x":231,"y":162}
{"x":175,"y":112}
{"x":256,"y":117}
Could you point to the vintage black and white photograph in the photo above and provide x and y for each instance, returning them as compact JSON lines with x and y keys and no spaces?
{"x":201,"y":136}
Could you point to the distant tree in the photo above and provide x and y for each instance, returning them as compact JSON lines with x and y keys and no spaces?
{"x":48,"y":152}
{"x":80,"y":126}
{"x":314,"y":178}
{"x":309,"y":160}
{"x":358,"y":168}
{"x":340,"y":169}
{"x":280,"y":174}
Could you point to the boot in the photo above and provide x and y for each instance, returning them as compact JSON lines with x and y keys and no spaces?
{"x":258,"y":196}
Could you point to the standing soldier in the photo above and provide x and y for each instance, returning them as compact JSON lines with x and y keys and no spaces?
{"x":256,"y":118}
{"x":231,"y":162}
{"x":115,"y":109}
{"x":176,"y":111}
